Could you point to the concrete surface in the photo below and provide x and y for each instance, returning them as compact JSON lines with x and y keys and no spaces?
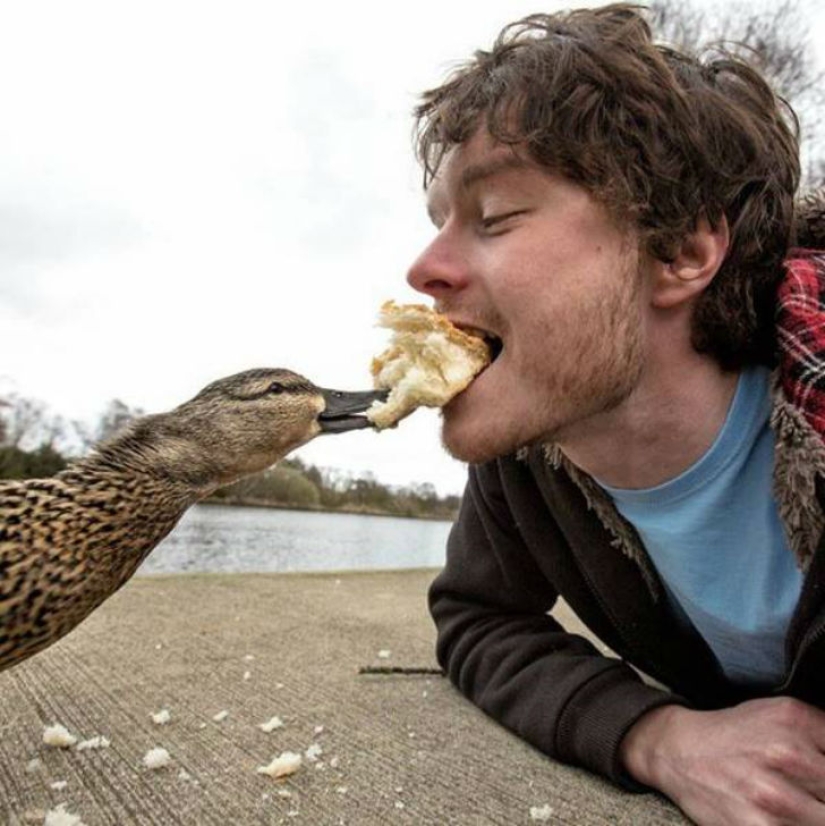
{"x":397,"y":749}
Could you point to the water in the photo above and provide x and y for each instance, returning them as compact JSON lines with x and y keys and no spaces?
{"x":217,"y":538}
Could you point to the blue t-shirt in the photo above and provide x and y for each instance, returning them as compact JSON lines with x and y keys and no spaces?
{"x":716,"y":539}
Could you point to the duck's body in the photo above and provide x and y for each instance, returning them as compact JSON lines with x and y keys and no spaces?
{"x":70,"y":541}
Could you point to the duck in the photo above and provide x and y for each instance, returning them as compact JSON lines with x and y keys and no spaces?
{"x":70,"y":541}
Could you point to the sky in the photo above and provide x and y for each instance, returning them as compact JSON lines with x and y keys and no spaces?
{"x":191,"y":189}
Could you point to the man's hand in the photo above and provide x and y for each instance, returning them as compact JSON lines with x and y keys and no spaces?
{"x":761,"y":762}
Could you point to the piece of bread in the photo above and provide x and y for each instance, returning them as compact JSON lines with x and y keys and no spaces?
{"x":427,"y":363}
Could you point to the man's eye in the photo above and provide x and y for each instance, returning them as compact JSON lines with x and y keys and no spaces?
{"x":490,"y":221}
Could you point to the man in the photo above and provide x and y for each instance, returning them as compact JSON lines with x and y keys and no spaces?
{"x":617,"y":217}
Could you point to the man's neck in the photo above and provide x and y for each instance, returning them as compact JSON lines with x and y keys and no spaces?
{"x":667,"y":423}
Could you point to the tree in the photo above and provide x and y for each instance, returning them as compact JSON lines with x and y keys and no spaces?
{"x":776,"y":39}
{"x":114,"y":418}
{"x":28,"y":423}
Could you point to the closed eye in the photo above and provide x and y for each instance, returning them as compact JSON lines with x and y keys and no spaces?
{"x":491,"y":221}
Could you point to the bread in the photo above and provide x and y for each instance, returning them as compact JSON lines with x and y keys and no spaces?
{"x":429,"y":361}
{"x":282,"y":766}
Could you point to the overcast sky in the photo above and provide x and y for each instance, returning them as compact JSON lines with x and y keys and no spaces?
{"x":190,"y":189}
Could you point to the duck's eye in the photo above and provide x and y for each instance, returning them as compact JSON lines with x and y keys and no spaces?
{"x":276,"y":387}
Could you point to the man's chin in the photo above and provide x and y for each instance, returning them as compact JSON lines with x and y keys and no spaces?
{"x":474,"y":444}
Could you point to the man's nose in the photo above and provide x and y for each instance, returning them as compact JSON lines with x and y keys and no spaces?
{"x":439,"y":270}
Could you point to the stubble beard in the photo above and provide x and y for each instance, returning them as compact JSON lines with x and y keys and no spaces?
{"x":600,"y":366}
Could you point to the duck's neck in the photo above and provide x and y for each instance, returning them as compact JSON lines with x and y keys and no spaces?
{"x":155,"y":448}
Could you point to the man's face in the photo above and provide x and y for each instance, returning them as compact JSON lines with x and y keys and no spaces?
{"x":535,"y":261}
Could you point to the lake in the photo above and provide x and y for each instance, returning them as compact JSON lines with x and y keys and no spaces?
{"x":220,"y":538}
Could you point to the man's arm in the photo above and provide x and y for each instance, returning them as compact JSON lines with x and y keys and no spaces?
{"x":506,"y":654}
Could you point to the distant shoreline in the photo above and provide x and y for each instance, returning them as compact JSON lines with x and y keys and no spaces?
{"x":353,"y":510}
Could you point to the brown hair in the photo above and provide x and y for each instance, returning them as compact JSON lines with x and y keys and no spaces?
{"x":661,"y":138}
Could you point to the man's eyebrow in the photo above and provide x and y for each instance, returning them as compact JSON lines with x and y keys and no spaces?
{"x":476,"y":172}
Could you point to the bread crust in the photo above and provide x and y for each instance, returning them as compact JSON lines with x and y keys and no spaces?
{"x":428,"y":362}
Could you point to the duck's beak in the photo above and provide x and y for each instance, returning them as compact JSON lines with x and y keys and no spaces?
{"x":341,"y":411}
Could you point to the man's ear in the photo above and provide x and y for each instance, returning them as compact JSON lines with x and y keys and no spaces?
{"x":697,"y":260}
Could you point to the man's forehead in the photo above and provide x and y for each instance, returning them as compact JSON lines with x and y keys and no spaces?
{"x":475,"y":160}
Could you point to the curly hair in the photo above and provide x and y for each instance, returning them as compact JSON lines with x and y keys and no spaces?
{"x":660,"y":137}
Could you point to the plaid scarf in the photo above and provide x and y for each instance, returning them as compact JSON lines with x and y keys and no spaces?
{"x":801,"y":334}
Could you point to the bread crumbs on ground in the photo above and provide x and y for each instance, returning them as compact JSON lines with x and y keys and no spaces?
{"x":156,"y":758}
{"x":541,"y":812}
{"x":60,"y":817}
{"x":384,"y":654}
{"x":221,"y":716}
{"x":58,"y":736}
{"x":313,"y":752}
{"x":271,"y":724}
{"x":161,"y":718}
{"x":99,"y":742}
{"x":58,"y":785}
{"x":285,"y":764}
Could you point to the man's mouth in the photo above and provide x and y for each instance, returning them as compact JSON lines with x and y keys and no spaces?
{"x":493,"y":342}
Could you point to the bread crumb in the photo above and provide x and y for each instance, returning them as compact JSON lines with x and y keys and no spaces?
{"x":384,"y":654}
{"x":98,"y":742}
{"x":271,"y":724}
{"x":156,"y":758}
{"x":247,"y":675}
{"x":58,"y":785}
{"x":60,"y":817}
{"x":161,"y":718}
{"x":313,"y":752}
{"x":318,"y":730}
{"x":541,"y":812}
{"x":58,"y":737}
{"x":285,"y":793}
{"x":249,"y":657}
{"x":283,"y":765}
{"x":221,"y":716}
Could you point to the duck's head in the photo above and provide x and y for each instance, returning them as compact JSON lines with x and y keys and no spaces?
{"x":244,"y":423}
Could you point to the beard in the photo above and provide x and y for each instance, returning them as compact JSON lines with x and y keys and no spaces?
{"x":584,"y":363}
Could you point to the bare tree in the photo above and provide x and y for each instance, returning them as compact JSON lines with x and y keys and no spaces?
{"x":28,"y":423}
{"x":115,"y":416}
{"x":773,"y":37}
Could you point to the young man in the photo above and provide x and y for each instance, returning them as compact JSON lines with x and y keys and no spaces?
{"x":619,"y":217}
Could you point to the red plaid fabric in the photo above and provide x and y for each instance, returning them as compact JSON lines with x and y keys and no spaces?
{"x":801,"y":334}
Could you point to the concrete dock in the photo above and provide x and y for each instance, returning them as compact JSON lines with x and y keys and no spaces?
{"x":394,"y":749}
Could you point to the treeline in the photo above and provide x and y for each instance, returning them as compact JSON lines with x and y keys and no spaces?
{"x":35,"y":444}
{"x":296,"y":484}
